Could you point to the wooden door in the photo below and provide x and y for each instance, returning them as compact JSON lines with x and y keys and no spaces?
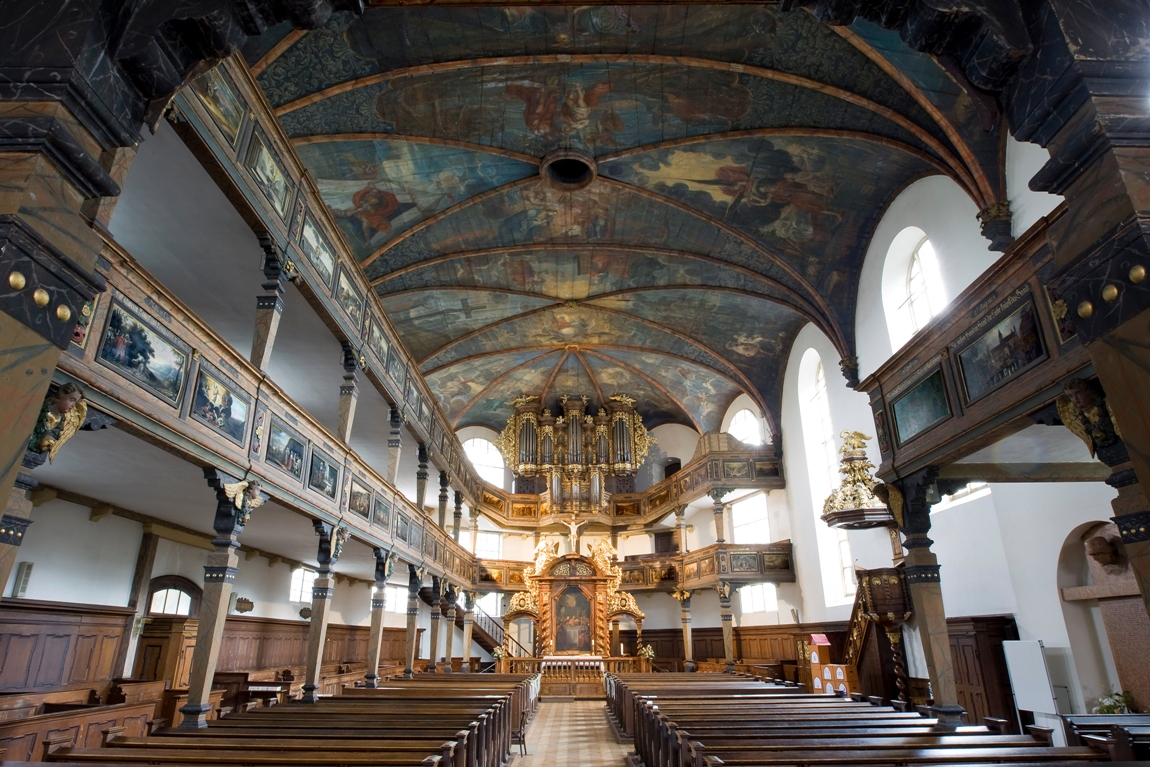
{"x":968,"y":678}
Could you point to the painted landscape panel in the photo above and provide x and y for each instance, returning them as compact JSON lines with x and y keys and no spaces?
{"x":1003,"y":352}
{"x":137,"y":348}
{"x":285,"y":450}
{"x":318,"y":252}
{"x":220,"y":406}
{"x":223,"y":103}
{"x":921,"y":407}
{"x":360,"y":501}
{"x":269,"y":175}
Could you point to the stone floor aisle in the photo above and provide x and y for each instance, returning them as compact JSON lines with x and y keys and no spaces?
{"x":575,"y":734}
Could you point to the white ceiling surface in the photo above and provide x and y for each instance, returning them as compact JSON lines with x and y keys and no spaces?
{"x":1034,"y":444}
{"x":117,"y":468}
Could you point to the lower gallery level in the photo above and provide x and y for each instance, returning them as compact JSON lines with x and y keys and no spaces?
{"x":492,"y":368}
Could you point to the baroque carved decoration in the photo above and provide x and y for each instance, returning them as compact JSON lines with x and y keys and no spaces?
{"x":853,"y":504}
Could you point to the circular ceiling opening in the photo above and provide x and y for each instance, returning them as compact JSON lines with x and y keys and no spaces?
{"x":568,"y":170}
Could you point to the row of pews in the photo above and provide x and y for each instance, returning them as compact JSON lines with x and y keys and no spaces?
{"x":431,"y":721}
{"x":710,"y":720}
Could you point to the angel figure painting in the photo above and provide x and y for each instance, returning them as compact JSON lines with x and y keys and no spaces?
{"x":572,"y":621}
{"x":61,"y":417}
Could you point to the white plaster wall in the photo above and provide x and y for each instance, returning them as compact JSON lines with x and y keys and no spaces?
{"x":974,"y":571}
{"x":76,"y":560}
{"x":661,"y":611}
{"x":673,"y":440}
{"x":1023,"y":160}
{"x":941,"y":209}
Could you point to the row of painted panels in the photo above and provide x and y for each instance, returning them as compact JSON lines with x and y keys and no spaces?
{"x":240,"y":141}
{"x":143,"y":344}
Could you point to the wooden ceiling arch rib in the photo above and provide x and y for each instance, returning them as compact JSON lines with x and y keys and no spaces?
{"x":495,"y":382}
{"x":590,"y":374}
{"x":554,"y":372}
{"x":330,"y":138}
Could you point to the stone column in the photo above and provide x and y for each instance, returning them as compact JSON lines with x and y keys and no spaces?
{"x":421,"y":480}
{"x":219,"y":575}
{"x":436,"y":614}
{"x":681,"y":526}
{"x":348,"y":392}
{"x":451,"y":595}
{"x":918,"y":491}
{"x":269,"y":306}
{"x":684,"y":598}
{"x":720,"y":528}
{"x":725,"y":589}
{"x":443,"y":500}
{"x":414,"y":583}
{"x":384,"y":563}
{"x":468,"y":626}
{"x":394,"y":445}
{"x":331,"y":541}
{"x":457,"y":517}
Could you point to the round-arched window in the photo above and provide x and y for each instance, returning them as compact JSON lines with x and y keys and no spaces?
{"x":746,"y":428}
{"x":486,"y":459}
{"x":173,"y":595}
{"x":923,"y":292}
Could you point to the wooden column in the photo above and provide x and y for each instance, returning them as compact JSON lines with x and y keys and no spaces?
{"x":411,"y":645}
{"x":451,"y":595}
{"x":681,"y":526}
{"x":394,"y":444}
{"x":473,"y":531}
{"x":443,"y":500}
{"x":717,"y":496}
{"x":421,"y":480}
{"x":436,"y":613}
{"x":270,"y":305}
{"x":138,"y":600}
{"x":725,"y":590}
{"x":219,"y":575}
{"x":384,"y":563}
{"x":684,"y":598}
{"x":348,"y":392}
{"x":468,"y":626}
{"x":331,"y":540}
{"x":457,"y":517}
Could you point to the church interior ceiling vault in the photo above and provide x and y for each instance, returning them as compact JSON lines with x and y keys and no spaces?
{"x":737,"y":159}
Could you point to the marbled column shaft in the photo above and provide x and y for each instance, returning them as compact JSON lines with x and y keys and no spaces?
{"x":681,"y":526}
{"x":443,"y":500}
{"x":321,"y":595}
{"x":457,"y":517}
{"x":219,"y":575}
{"x":348,"y":393}
{"x":394,"y":445}
{"x":727,"y":618}
{"x":922,"y":579}
{"x":473,"y":531}
{"x":375,"y":637}
{"x":451,"y":595}
{"x":414,"y":581}
{"x":717,"y":498}
{"x":421,"y":480}
{"x":468,"y":627}
{"x":436,"y":614}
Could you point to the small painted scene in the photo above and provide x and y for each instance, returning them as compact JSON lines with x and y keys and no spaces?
{"x":1004,"y":351}
{"x":921,"y":407}
{"x":216,"y":405}
{"x":269,"y":174}
{"x":318,"y":252}
{"x":360,"y":500}
{"x":219,"y":97}
{"x":324,"y":475}
{"x":135,"y":350}
{"x":285,"y":451}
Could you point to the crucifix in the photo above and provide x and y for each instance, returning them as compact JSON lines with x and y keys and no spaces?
{"x":573,"y":535}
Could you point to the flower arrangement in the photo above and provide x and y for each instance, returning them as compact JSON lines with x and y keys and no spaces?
{"x":647,"y":651}
{"x":1115,"y":703}
{"x":499,"y":653}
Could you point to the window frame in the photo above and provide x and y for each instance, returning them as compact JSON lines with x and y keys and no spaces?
{"x":751,"y":418}
{"x":488,"y":535}
{"x":764,"y":521}
{"x":179,"y":583}
{"x":482,"y":468}
{"x":305,"y":590}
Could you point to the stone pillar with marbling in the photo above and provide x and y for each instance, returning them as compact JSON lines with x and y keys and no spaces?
{"x":384,"y":563}
{"x":331,"y":542}
{"x":269,"y":305}
{"x":235,"y":500}
{"x":450,"y":595}
{"x":414,"y":583}
{"x":436,"y":613}
{"x":421,"y":480}
{"x":726,"y":590}
{"x":394,"y":444}
{"x":457,"y":516}
{"x":443,"y":500}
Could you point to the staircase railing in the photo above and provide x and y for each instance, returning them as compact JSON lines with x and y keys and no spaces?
{"x":494,"y":629}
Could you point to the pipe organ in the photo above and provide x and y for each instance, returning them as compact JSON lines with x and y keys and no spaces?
{"x":575,"y":458}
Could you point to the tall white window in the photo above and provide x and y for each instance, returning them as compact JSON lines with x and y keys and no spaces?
{"x":302,"y":580}
{"x":486,"y":459}
{"x":490,"y":604}
{"x":396,"y":599}
{"x":828,"y":466}
{"x":759,"y":598}
{"x":749,"y":521}
{"x":746,"y":428}
{"x":924,"y":298}
{"x":488,"y":545}
{"x":170,"y":602}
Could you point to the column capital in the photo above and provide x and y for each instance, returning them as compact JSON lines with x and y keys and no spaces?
{"x":718,"y":493}
{"x":384,"y":564}
{"x":235,"y":500}
{"x":331,"y":542}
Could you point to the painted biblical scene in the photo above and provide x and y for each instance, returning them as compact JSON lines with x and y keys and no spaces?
{"x":381,"y":518}
{"x":378,"y":189}
{"x":220,"y":98}
{"x":456,"y":385}
{"x":285,"y":450}
{"x":349,"y":297}
{"x":1003,"y":352}
{"x":572,"y":613}
{"x":658,"y":406}
{"x":377,"y":341}
{"x":315,"y":247}
{"x":360,"y":500}
{"x":921,"y":407}
{"x":139,"y":349}
{"x":269,"y":175}
{"x":220,"y":406}
{"x":324,"y":475}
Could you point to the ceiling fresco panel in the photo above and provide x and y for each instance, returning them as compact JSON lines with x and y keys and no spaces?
{"x":376,"y":190}
{"x":430,"y":319}
{"x":495,"y":408}
{"x":456,"y":386}
{"x":659,"y":407}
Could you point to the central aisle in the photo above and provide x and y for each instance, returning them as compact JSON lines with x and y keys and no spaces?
{"x":573,"y":734}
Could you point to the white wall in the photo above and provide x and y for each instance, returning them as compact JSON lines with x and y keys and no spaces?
{"x":947,"y":215}
{"x":1023,"y":160}
{"x":76,"y":560}
{"x":673,"y":440}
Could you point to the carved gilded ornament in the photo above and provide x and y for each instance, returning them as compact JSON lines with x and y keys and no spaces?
{"x":643,"y":441}
{"x":1087,"y":414}
{"x":61,"y":417}
{"x":246,"y":497}
{"x":856,"y":490}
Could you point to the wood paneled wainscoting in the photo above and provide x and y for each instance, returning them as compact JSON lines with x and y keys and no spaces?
{"x":51,"y":646}
{"x":753,"y":644}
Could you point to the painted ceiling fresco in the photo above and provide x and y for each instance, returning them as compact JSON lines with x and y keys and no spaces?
{"x":743,"y":156}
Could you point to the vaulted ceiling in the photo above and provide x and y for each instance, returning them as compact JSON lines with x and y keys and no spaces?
{"x":737,"y":159}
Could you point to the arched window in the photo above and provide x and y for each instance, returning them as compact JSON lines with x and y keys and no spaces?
{"x":486,"y":459}
{"x":173,"y":595}
{"x":924,"y":297}
{"x":823,"y":467}
{"x":745,"y":427}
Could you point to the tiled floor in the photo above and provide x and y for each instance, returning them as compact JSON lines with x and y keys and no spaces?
{"x":575,"y":734}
